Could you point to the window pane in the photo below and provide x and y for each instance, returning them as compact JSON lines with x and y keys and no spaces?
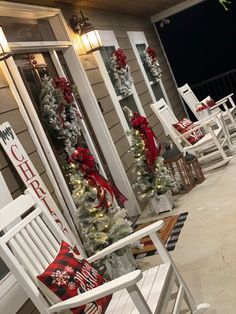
{"x":19,"y":29}
{"x":106,"y":53}
{"x":130,"y":103}
{"x":157,"y":91}
{"x":141,"y":48}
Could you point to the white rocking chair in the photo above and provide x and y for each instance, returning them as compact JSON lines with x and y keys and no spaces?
{"x":35,"y":239}
{"x":207,"y":148}
{"x":191,"y":100}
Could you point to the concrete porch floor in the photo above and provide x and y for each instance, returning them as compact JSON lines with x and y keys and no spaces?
{"x":206,"y":250}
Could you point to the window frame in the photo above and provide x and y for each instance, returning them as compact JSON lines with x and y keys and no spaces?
{"x":137,"y":38}
{"x":108,"y":38}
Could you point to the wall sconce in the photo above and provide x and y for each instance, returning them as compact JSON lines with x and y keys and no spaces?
{"x":89,"y":36}
{"x":5,"y":51}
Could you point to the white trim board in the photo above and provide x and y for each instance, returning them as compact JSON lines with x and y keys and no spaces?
{"x":94,"y":114}
{"x":108,"y":38}
{"x":26,"y":11}
{"x":175,"y":9}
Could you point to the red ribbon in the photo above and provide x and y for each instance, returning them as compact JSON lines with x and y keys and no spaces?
{"x":65,"y":87}
{"x":88,"y":168}
{"x":152,"y":53}
{"x":141,"y":124}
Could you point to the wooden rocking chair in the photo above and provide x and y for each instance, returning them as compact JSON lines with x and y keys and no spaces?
{"x":210,"y":147}
{"x":30,"y":246}
{"x":191,"y":100}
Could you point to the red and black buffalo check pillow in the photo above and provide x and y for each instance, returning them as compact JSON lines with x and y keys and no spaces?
{"x":69,"y":275}
{"x":185,"y":125}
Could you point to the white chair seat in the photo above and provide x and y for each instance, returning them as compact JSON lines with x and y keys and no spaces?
{"x":154,"y":282}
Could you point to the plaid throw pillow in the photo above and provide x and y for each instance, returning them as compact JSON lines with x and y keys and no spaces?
{"x":69,"y":275}
{"x":208,"y":101}
{"x":185,"y":125}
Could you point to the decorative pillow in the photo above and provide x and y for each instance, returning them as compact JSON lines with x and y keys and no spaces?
{"x":208,"y":101}
{"x":185,"y":125}
{"x":69,"y":275}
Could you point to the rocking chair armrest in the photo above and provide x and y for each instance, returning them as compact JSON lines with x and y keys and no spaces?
{"x":127,"y":240}
{"x":223,"y":100}
{"x":206,"y":119}
{"x":107,"y":288}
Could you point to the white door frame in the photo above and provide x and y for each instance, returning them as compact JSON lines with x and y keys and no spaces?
{"x":94,"y":114}
{"x":64,"y":35}
{"x":108,"y":38}
{"x":140,"y":38}
{"x":12,"y":296}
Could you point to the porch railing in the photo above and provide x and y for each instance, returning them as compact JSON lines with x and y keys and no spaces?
{"x":217,"y":87}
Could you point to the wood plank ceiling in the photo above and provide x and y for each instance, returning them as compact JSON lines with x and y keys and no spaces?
{"x":135,"y":7}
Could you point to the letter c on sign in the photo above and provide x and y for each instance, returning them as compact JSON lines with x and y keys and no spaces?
{"x":14,"y":149}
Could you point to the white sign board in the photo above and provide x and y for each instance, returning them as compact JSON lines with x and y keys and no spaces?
{"x":30,"y":176}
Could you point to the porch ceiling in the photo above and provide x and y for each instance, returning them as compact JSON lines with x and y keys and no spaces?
{"x":136,"y":7}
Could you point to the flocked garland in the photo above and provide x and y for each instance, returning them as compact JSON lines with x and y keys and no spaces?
{"x":59,"y":112}
{"x":150,"y":59}
{"x":121,"y":72}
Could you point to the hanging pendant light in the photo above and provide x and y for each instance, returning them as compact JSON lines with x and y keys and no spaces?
{"x":5,"y":51}
{"x":90,"y":37}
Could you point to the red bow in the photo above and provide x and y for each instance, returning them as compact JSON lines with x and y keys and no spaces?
{"x":65,"y":87}
{"x":88,"y":168}
{"x":121,"y":58}
{"x":152,"y":53}
{"x":141,"y":124}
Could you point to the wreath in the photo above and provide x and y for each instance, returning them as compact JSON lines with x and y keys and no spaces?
{"x":59,"y":111}
{"x":150,"y":60}
{"x":121,"y":72}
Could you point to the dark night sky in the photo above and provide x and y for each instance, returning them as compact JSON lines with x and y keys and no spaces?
{"x":200,"y":42}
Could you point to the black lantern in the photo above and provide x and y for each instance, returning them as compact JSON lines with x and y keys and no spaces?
{"x":90,"y":37}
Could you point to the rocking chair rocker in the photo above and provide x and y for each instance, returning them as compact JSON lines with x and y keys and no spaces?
{"x":31,"y":245}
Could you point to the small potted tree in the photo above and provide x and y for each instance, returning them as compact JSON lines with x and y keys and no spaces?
{"x":153,"y":181}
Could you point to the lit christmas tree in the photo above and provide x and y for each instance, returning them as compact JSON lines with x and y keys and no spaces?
{"x":153,"y":178}
{"x":101,"y":223}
